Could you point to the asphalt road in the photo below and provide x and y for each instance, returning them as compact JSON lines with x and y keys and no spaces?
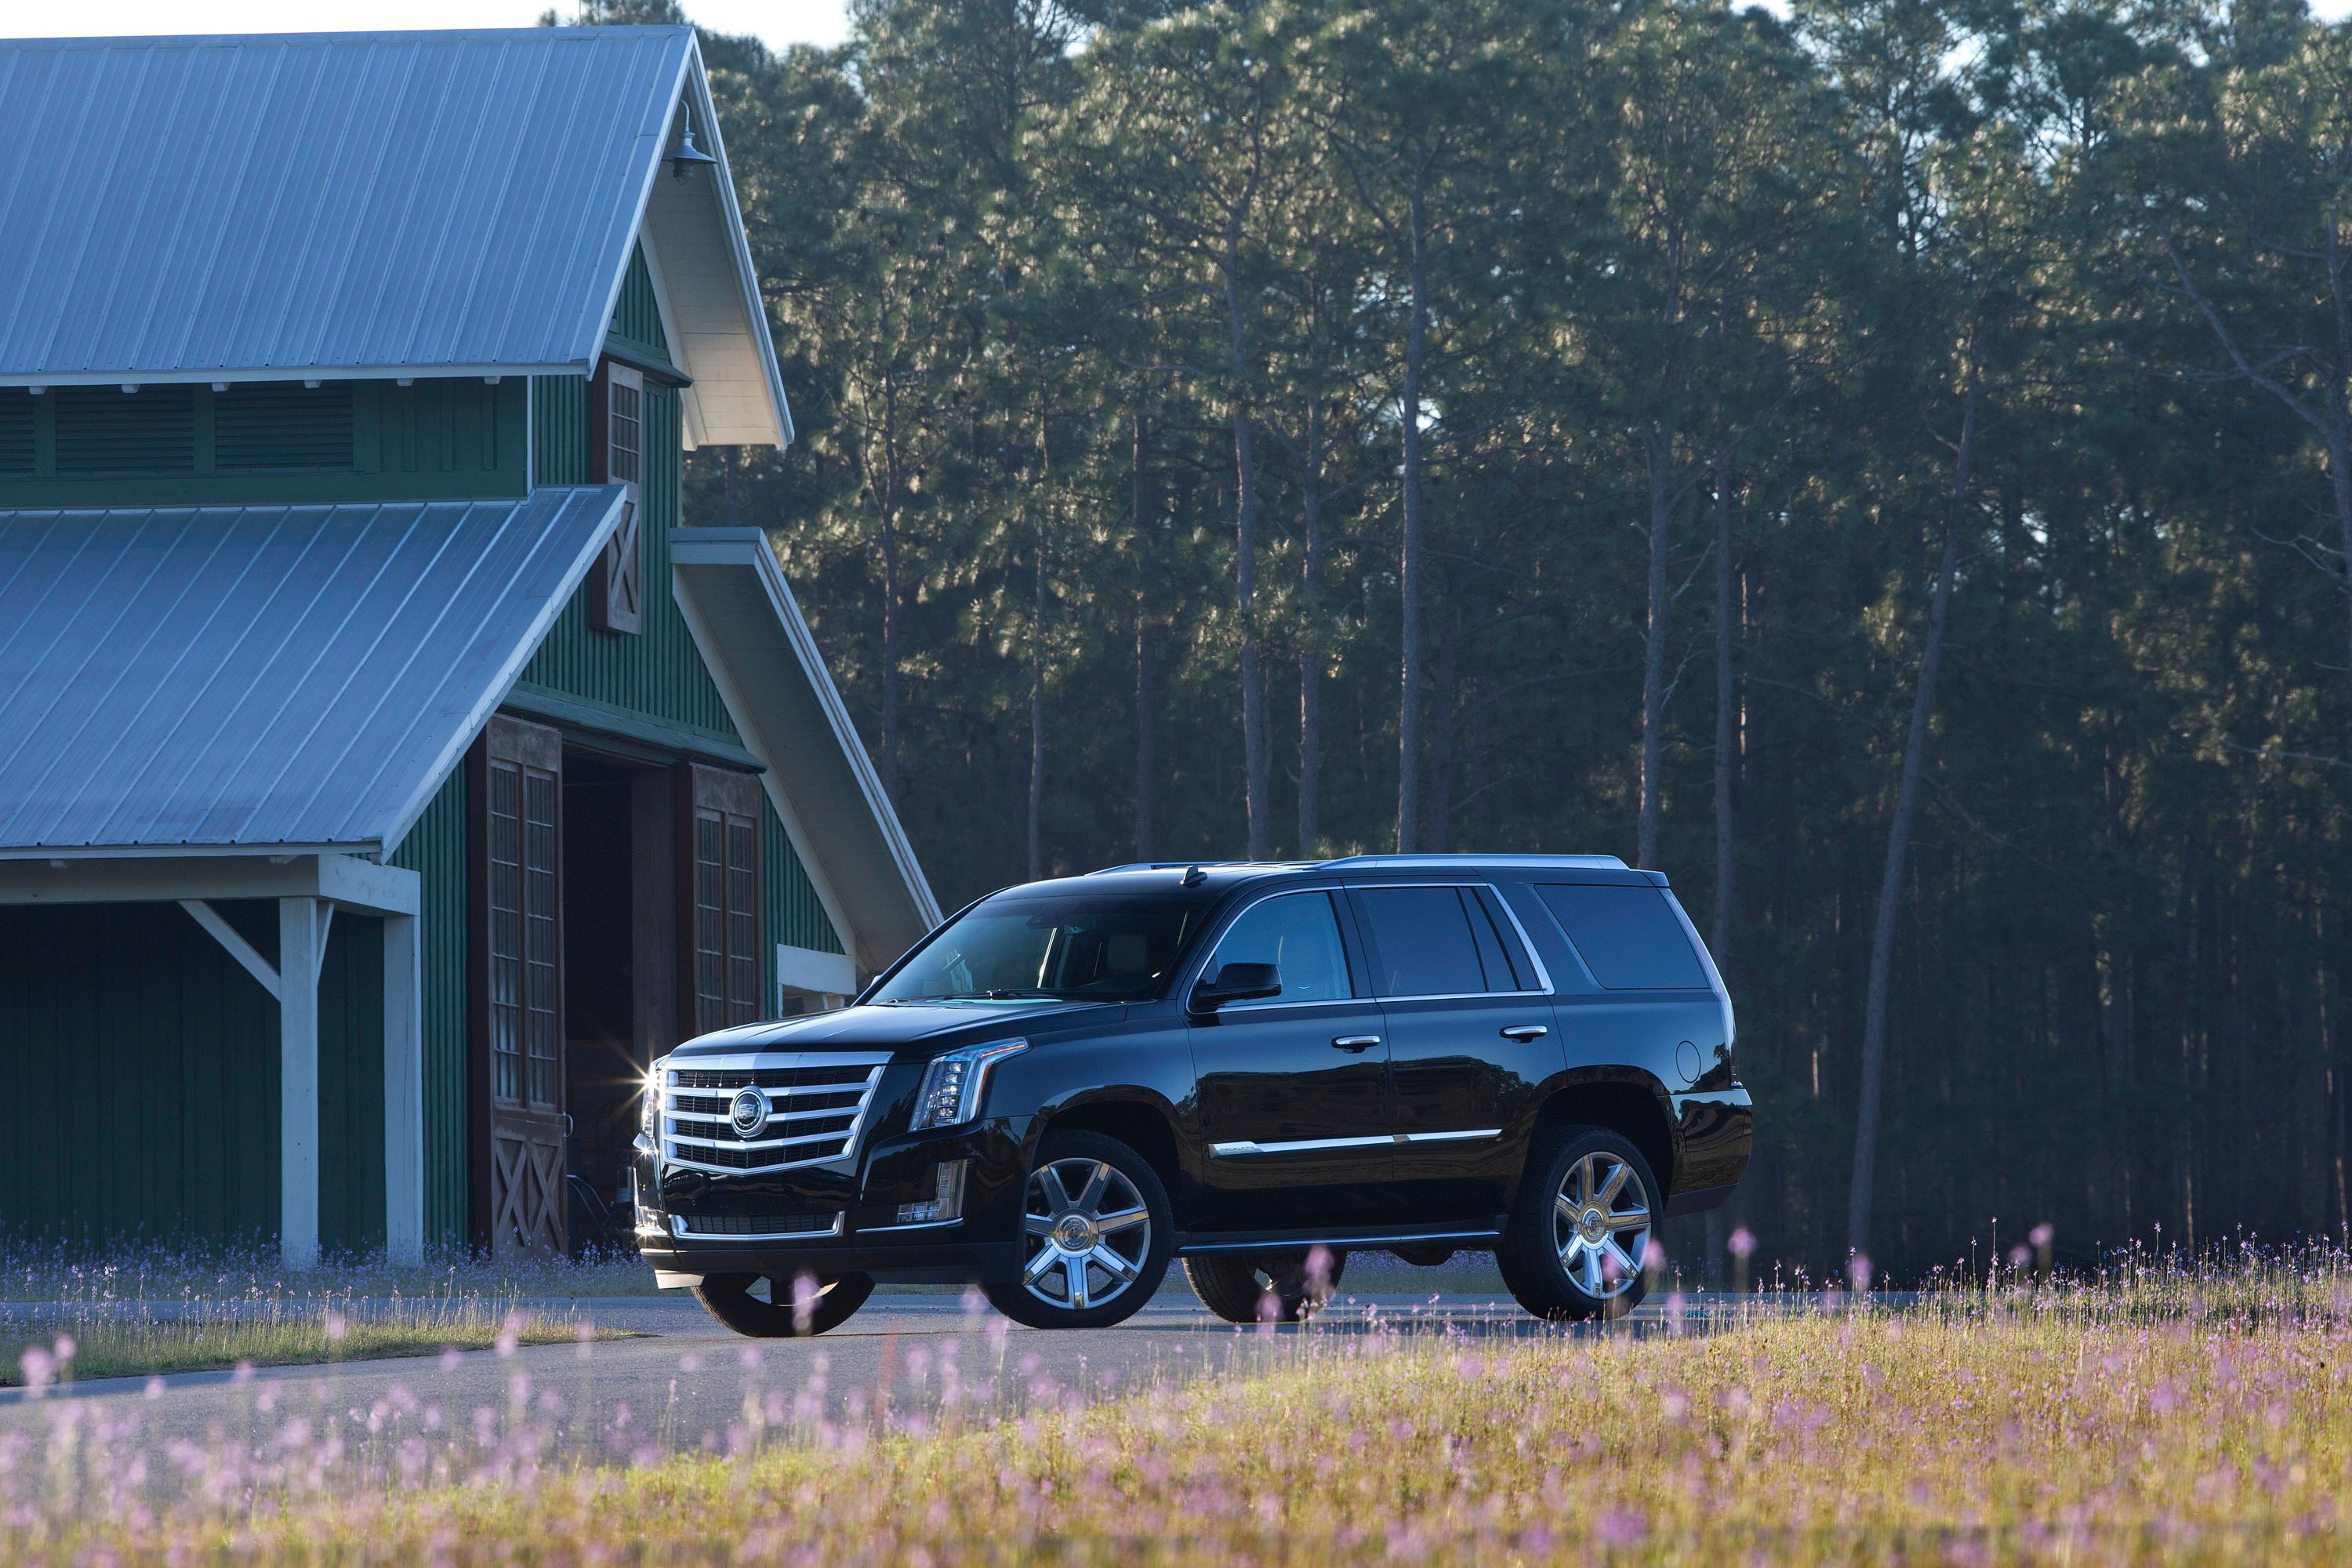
{"x":689,"y":1385}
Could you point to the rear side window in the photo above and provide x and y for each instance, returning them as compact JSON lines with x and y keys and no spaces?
{"x":1628,"y":937}
{"x":1438,"y":941}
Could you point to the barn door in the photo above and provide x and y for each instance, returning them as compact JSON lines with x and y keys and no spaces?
{"x":518,"y":993}
{"x":719,"y":917}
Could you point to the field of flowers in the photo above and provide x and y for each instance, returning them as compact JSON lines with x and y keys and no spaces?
{"x":2158,"y":1414}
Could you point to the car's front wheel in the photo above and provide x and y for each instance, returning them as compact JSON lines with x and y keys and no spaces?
{"x":1096,"y":1232}
{"x":782,"y":1308}
{"x":1579,"y":1238}
{"x":1267,"y":1287}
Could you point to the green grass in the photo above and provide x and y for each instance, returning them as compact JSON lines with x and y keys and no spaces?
{"x":293,"y":1335}
{"x":1987,"y":1429}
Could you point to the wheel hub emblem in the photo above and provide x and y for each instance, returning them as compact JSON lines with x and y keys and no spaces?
{"x":1592,"y":1224}
{"x":1072,"y":1233}
{"x":748,"y":1113}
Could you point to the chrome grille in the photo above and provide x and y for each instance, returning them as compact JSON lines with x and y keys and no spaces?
{"x":755,"y":1227}
{"x":818,"y":1104}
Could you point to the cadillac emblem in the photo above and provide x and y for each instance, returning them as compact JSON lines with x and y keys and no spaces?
{"x":749,"y":1112}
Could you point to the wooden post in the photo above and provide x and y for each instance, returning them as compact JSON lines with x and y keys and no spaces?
{"x":403,"y":1092}
{"x":301,"y":944}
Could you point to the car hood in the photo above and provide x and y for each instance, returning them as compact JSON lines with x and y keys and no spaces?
{"x":926,"y":1026}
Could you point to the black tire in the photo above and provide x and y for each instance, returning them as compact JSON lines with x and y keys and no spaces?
{"x":1263,"y":1288}
{"x":1048,"y":1271}
{"x":1547,"y":1259}
{"x":729,"y":1298}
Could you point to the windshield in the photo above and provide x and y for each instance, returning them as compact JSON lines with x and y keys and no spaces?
{"x":1072,"y":948}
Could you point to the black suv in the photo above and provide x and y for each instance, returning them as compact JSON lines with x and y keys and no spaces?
{"x":1253,"y":1068}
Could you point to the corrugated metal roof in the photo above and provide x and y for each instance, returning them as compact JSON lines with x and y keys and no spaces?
{"x":258,"y":676}
{"x":383,"y":202}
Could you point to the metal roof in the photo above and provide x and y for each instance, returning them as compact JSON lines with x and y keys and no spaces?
{"x":369,"y":203}
{"x":257,"y":676}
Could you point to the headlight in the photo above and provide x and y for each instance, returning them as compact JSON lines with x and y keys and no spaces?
{"x":654,"y":1079}
{"x":954,"y":1082}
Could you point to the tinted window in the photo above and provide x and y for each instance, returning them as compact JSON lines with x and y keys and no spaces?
{"x":1093,"y":949}
{"x":1300,"y":935}
{"x":1507,"y":968}
{"x":1629,"y":937}
{"x":1425,"y":943}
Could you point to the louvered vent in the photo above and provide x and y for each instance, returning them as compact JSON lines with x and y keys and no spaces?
{"x":106,"y":430}
{"x":283,"y":425}
{"x":16,"y":432}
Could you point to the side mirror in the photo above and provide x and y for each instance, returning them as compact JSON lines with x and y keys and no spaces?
{"x":1237,"y":982}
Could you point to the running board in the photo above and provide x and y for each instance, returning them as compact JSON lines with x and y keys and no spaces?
{"x":1189,"y":1245}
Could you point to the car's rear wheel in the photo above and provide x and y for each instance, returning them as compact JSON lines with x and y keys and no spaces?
{"x":1095,"y":1233}
{"x":1578,"y":1242}
{"x":783,"y":1306}
{"x":1267,"y":1287}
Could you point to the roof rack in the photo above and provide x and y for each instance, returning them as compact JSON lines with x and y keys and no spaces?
{"x":1441,"y":862}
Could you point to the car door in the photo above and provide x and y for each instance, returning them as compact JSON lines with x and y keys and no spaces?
{"x":1292,"y":1097}
{"x":1470,"y":1039}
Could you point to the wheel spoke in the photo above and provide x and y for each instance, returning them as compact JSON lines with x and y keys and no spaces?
{"x":1074,"y":1269}
{"x":1568,"y":1252}
{"x":1057,"y":1197}
{"x":1122,"y":1219}
{"x":1629,"y":1219}
{"x":1624,"y":1263}
{"x":1089,"y":1198}
{"x":1565,"y":1207}
{"x":1610,"y":1188}
{"x":1121,"y":1268}
{"x":1037,"y":1224}
{"x":1040,"y":1265}
{"x":1592,"y":1282}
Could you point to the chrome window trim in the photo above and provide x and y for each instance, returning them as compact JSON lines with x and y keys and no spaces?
{"x":1247,"y":1148}
{"x":1267,"y":898}
{"x":677,"y":1147}
{"x":1543,"y":974}
{"x":682,"y":1227}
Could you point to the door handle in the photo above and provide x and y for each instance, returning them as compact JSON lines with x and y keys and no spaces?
{"x":1356,"y":1042}
{"x":1523,"y":1033}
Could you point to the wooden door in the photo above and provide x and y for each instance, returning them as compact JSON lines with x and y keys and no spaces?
{"x":718,"y":888}
{"x":519,"y":1199}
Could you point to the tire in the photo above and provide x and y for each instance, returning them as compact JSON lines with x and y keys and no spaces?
{"x":1574,"y":1194}
{"x":1091,"y":1257}
{"x":729,"y":1299}
{"x":1264,"y":1288}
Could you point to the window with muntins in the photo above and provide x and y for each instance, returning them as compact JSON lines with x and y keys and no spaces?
{"x":617,"y":432}
{"x":725,"y":918}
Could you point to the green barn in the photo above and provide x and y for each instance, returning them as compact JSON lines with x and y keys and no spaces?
{"x":388,"y":770}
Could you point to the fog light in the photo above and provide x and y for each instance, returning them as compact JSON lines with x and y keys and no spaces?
{"x":947,"y":1182}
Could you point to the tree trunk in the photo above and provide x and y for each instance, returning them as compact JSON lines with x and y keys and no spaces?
{"x":1310,"y":641}
{"x":1437,"y":807}
{"x":1037,"y":718}
{"x":1660,"y":452}
{"x":1727,"y":762}
{"x":1256,"y":772}
{"x":1410,"y":567}
{"x":1146,"y":648}
{"x":1898,"y":844}
{"x":891,"y":631}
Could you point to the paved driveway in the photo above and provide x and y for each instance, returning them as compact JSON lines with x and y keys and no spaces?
{"x":688,"y":1385}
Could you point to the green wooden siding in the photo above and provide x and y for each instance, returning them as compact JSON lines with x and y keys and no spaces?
{"x":276,"y":444}
{"x":659,"y":671}
{"x":142,"y":1069}
{"x":793,"y":914}
{"x":636,"y":330}
{"x":435,"y":849}
{"x":558,"y":430}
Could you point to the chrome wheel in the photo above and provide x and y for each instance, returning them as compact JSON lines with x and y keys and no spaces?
{"x":1088,"y":1231}
{"x":1601,"y":1224}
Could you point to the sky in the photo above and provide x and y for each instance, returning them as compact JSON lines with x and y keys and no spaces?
{"x":777,"y":22}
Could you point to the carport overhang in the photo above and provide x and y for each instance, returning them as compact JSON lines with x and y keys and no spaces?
{"x":310,"y":884}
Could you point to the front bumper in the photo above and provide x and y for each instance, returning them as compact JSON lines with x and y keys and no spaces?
{"x":843,"y":1216}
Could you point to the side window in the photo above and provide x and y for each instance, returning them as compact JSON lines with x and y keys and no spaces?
{"x":1628,"y":937}
{"x":1425,"y":943}
{"x":1298,"y":933}
{"x":1508,"y":967}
